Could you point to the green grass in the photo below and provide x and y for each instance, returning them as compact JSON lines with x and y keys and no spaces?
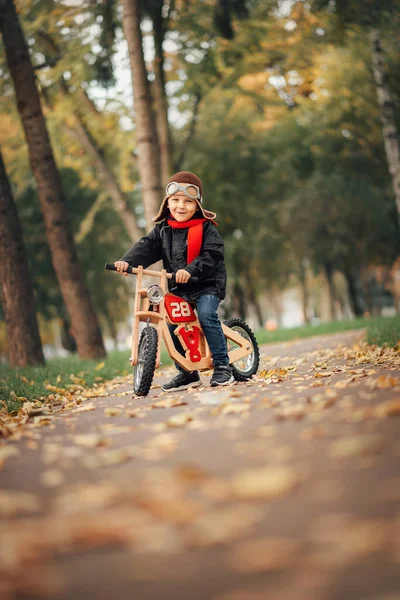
{"x":383,"y":330}
{"x":58,"y":371}
{"x":380,"y":330}
{"x":30,"y":382}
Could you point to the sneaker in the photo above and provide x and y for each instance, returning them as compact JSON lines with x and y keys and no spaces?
{"x":182,"y":381}
{"x":222,"y":376}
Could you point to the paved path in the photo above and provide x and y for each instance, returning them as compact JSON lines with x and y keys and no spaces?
{"x":287,"y":487}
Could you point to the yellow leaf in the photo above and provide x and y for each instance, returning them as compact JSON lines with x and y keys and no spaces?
{"x":99,"y":366}
{"x":112,"y":412}
{"x":390,"y":408}
{"x":179,"y":419}
{"x":264,"y":482}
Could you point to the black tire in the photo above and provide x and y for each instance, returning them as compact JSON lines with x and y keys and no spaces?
{"x":147,"y":355}
{"x":242,"y":371}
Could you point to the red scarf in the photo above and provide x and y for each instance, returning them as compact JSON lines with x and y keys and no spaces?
{"x":195,"y":235}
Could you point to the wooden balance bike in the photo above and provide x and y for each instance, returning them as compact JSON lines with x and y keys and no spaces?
{"x":156,"y":308}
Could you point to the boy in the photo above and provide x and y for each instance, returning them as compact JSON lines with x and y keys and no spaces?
{"x":187,"y":241}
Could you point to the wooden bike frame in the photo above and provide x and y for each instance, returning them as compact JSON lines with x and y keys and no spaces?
{"x":159,"y":319}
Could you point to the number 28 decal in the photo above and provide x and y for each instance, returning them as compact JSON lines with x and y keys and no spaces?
{"x":180,"y":309}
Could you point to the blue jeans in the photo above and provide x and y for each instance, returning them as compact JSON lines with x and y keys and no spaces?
{"x":207,"y":312}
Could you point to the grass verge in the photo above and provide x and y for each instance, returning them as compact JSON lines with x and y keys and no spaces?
{"x":380,"y":330}
{"x":31,"y":382}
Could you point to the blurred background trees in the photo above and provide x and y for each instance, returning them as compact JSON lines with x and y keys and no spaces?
{"x":288,"y":111}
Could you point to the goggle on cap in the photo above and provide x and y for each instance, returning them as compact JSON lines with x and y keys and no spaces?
{"x":184,"y":177}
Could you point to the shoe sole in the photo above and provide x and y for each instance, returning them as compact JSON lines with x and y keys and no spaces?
{"x":215,"y":383}
{"x":182,"y":388}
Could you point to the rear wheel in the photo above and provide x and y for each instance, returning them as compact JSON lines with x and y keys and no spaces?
{"x":147,"y":355}
{"x":246,"y":367}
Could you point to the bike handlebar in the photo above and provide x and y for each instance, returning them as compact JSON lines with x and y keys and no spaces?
{"x":134,"y":270}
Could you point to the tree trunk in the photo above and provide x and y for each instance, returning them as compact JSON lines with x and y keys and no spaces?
{"x":355,"y":293}
{"x":328,"y":270}
{"x":58,"y":228}
{"x":24,"y":344}
{"x":146,"y":133}
{"x":239,"y":300}
{"x":253,"y":298}
{"x":68,"y":341}
{"x":190,"y":134}
{"x":119,"y":201}
{"x":304,"y":292}
{"x":160,"y":97}
{"x":386,"y":105}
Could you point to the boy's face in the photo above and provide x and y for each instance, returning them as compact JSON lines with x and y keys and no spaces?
{"x":181,"y":207}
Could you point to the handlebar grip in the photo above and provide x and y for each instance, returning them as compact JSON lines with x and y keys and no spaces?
{"x":111,"y":267}
{"x":194,"y":280}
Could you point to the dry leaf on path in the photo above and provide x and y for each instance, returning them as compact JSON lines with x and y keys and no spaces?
{"x":7,"y":452}
{"x":168,"y":403}
{"x":358,"y":445}
{"x":52,"y":478}
{"x":180,"y":419}
{"x":264,"y":555}
{"x":222,"y":525}
{"x":89,"y":440}
{"x":112,"y":412}
{"x":264,"y":482}
{"x":341,"y":540}
{"x":390,"y":408}
{"x":85,"y":408}
{"x":15,"y":502}
{"x":383,"y":382}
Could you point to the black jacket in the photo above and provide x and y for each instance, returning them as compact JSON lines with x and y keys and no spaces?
{"x":170,"y":245}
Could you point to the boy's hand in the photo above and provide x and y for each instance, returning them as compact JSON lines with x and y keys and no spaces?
{"x":182,"y":276}
{"x":122,"y":267}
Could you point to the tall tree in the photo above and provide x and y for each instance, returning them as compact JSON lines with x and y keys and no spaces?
{"x":25,"y":346}
{"x":388,"y":117}
{"x":154,"y":9}
{"x":107,"y":175}
{"x":372,"y":16}
{"x":146,"y":132}
{"x":81,"y":130}
{"x":58,"y":229}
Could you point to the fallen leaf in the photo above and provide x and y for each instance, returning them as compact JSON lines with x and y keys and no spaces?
{"x":237,"y":408}
{"x":383,"y":382}
{"x":52,"y":478}
{"x":106,"y":458}
{"x":112,"y":411}
{"x":15,"y":502}
{"x":223,"y":525}
{"x":341,"y":540}
{"x":89,"y":440}
{"x":264,"y":482}
{"x":85,"y":407}
{"x":264,"y":555}
{"x":168,"y":403}
{"x":7,"y":452}
{"x":390,"y":408}
{"x":180,"y":419}
{"x":359,"y":445}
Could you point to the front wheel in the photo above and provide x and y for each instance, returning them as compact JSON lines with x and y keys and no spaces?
{"x":147,"y":355}
{"x":246,"y":367}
